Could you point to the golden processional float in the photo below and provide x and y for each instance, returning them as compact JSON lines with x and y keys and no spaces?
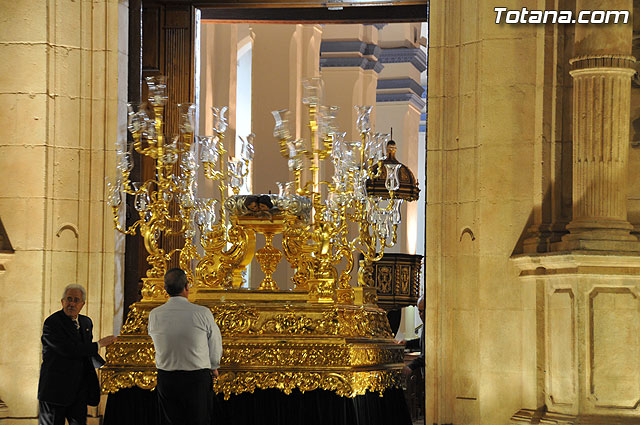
{"x":323,"y":334}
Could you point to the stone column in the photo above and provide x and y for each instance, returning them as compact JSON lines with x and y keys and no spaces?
{"x":602,"y":71}
{"x":218,"y":65}
{"x":350,"y":67}
{"x":219,"y":47}
{"x":283,"y":56}
{"x":587,"y":297}
{"x":399,"y":104}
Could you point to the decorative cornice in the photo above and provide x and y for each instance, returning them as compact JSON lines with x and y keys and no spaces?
{"x":412,"y":98}
{"x":360,"y":62}
{"x":358,"y":54}
{"x":401,"y":83}
{"x":621,"y":265}
{"x":415,"y":56}
{"x":351,"y":46}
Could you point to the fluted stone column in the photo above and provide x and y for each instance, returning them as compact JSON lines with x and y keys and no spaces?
{"x":587,"y":296}
{"x":601,"y":72}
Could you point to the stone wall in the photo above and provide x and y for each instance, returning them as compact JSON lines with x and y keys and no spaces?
{"x":500,"y":183}
{"x":58,"y":94}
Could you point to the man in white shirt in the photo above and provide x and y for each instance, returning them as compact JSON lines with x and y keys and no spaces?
{"x":188,"y":350}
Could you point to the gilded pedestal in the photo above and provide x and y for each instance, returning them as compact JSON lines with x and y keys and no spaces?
{"x":274,"y":340}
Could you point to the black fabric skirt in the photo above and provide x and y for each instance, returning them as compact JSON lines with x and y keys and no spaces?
{"x":134,"y":406}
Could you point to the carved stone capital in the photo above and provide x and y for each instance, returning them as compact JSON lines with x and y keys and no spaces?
{"x":602,"y":62}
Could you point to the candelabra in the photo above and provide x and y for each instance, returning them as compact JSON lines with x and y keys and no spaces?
{"x":164,"y":202}
{"x":227,"y":250}
{"x":329,"y":242}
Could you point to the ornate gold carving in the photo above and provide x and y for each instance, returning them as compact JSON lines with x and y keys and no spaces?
{"x":223,"y":268}
{"x":133,"y":354}
{"x":345,"y":296}
{"x":347,"y":384}
{"x":114,"y":380}
{"x":207,"y":268}
{"x":259,"y":336}
{"x":366,"y":323}
{"x":137,"y":320}
{"x":322,"y":290}
{"x":289,"y":355}
{"x":236,"y":319}
{"x":268,"y":258}
{"x":325,"y":330}
{"x":153,"y":289}
{"x":307,"y":355}
{"x":296,"y":251}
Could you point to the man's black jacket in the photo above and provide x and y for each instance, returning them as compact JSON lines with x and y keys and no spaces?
{"x":68,"y":358}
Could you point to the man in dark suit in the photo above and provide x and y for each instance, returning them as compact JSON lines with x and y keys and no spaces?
{"x":68,"y":380}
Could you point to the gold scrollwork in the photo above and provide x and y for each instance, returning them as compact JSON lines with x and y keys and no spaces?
{"x":297,"y":251}
{"x":289,"y":323}
{"x":361,"y":322}
{"x":235,"y":319}
{"x":134,"y":354}
{"x":348,"y":384}
{"x":287,"y":355}
{"x":308,"y":355}
{"x":371,"y":356}
{"x":137,"y":321}
{"x":114,"y":380}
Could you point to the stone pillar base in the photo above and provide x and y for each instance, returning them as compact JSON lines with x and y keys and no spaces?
{"x":528,"y":416}
{"x":542,"y":237}
{"x":600,"y":235}
{"x":586,"y":337}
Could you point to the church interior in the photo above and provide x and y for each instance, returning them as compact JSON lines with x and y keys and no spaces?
{"x":249,"y":144}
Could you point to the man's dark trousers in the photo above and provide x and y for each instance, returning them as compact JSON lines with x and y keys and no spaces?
{"x":185,"y":397}
{"x":75,"y":413}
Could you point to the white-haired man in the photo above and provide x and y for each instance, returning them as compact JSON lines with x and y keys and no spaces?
{"x":68,"y":380}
